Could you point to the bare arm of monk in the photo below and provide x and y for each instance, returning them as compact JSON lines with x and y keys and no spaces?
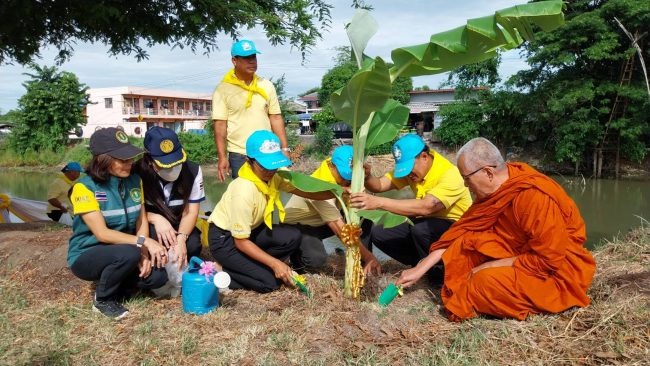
{"x":503,"y":262}
{"x":412,"y":275}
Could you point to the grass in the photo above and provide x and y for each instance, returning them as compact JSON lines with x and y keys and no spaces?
{"x":42,"y":325}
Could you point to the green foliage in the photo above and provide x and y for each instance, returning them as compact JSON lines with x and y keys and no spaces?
{"x":307,"y":183}
{"x":119,"y":24}
{"x":200,"y":148}
{"x":10,"y":117}
{"x":51,"y":108}
{"x":383,"y":149}
{"x":384,"y":218}
{"x":293,"y":139}
{"x":325,"y":116}
{"x":335,"y":79}
{"x":322,"y":145}
{"x":79,"y":153}
{"x":461,"y":122}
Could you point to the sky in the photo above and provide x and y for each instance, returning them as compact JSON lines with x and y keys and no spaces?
{"x":401,"y":23}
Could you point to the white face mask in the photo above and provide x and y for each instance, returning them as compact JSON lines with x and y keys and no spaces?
{"x":170,"y":174}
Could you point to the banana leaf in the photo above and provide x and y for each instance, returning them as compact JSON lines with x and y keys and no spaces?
{"x":360,"y":29}
{"x":387,"y":123}
{"x":478,"y":40}
{"x":385,"y":218}
{"x":308,"y":183}
{"x":366,"y":92}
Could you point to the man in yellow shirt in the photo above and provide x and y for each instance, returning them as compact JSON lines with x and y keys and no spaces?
{"x":441,"y":198}
{"x":318,"y":220}
{"x":58,"y":202}
{"x":242,"y":104}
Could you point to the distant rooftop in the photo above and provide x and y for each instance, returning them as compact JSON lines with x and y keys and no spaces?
{"x":152,"y":92}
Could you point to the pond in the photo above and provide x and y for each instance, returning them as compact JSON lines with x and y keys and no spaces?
{"x":609,"y":207}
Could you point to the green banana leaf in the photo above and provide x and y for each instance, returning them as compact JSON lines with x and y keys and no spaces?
{"x":366,"y":92}
{"x":387,"y":123}
{"x":360,"y":29}
{"x":478,"y":40}
{"x":307,"y":183}
{"x":385,"y":218}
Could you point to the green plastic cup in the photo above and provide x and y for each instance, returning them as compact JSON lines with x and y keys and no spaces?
{"x":388,"y":295}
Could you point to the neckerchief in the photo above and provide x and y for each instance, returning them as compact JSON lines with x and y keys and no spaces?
{"x":231,"y":78}
{"x":324,"y":172}
{"x":269,"y":190}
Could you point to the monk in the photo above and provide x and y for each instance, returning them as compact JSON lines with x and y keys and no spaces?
{"x":517,"y":251}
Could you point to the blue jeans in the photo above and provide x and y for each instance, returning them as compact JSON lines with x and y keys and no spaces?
{"x":236,"y":161}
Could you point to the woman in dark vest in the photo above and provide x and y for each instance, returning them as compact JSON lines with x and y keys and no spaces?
{"x":174,"y":187}
{"x":110,"y":241}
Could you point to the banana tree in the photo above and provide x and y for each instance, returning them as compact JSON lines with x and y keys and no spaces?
{"x":365,"y":102}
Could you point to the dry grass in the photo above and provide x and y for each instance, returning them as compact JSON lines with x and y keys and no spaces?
{"x":47,"y":320}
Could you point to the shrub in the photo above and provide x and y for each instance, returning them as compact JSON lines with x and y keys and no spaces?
{"x":322,"y":142}
{"x":79,"y":153}
{"x":200,"y":148}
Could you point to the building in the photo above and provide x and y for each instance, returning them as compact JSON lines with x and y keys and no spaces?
{"x":135,"y":109}
{"x":311,"y":101}
{"x":425,"y":105}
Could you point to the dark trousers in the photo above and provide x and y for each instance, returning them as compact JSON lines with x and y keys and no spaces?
{"x":236,"y":161}
{"x":245,"y":272}
{"x":408,"y":244}
{"x":312,"y":254}
{"x":55,"y":215}
{"x":115,"y":267}
{"x":192,"y":244}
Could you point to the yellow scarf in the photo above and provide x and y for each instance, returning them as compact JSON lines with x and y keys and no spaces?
{"x":231,"y":78}
{"x":269,"y":190}
{"x":324,"y":173}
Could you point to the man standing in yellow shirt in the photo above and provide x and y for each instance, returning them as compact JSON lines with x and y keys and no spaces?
{"x":441,"y":198}
{"x":242,"y":104}
{"x":58,"y":202}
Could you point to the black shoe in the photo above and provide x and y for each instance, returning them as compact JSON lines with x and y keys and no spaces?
{"x":110,"y":308}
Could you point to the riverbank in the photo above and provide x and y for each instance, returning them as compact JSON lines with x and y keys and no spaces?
{"x":46,"y":319}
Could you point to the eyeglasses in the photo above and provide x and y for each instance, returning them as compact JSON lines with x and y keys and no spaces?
{"x":466,"y":176}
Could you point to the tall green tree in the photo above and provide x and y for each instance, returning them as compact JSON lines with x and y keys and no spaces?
{"x":127,"y":27}
{"x":575,"y":75}
{"x":50,"y":109}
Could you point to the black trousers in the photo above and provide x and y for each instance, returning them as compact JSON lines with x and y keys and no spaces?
{"x":236,"y":161}
{"x":55,"y":215}
{"x":245,"y":272}
{"x":312,"y":254}
{"x":192,"y":244}
{"x":116,"y":268}
{"x":408,"y":244}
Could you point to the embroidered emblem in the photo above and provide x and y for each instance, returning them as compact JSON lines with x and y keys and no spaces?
{"x":136,"y":195}
{"x":101,"y":196}
{"x":166,"y":146}
{"x":397,"y":153}
{"x":246,"y":46}
{"x":269,"y":146}
{"x":80,"y":199}
{"x":121,"y":137}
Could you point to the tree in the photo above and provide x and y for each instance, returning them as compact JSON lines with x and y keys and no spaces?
{"x":574,"y":80}
{"x":129,"y":26}
{"x":51,"y":108}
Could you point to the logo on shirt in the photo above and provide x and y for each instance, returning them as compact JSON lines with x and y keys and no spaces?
{"x":166,"y":146}
{"x":101,"y":196}
{"x":136,"y":195}
{"x":80,"y":199}
{"x":397,"y":153}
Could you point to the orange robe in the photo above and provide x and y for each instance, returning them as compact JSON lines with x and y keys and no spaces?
{"x":531,"y":217}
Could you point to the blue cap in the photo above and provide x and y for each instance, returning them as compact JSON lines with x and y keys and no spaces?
{"x":264,"y":146}
{"x":72,"y":166}
{"x":243,"y":48}
{"x":405,"y":150}
{"x":164,"y":147}
{"x":342,"y":159}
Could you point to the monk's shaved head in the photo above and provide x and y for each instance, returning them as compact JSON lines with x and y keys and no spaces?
{"x":479,"y":152}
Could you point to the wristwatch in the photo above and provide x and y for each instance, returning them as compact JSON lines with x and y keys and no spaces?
{"x":288,"y":149}
{"x":183,"y":235}
{"x":140,"y":241}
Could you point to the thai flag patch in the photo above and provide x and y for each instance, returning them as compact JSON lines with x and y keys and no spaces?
{"x":100,"y":196}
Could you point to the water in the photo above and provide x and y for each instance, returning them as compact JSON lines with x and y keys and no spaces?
{"x":609,"y":207}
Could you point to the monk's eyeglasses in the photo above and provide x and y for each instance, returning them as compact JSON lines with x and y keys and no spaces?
{"x":466,"y":176}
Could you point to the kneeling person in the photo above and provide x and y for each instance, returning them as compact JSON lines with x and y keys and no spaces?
{"x":440,"y":200}
{"x":318,"y":220}
{"x":241,"y":236}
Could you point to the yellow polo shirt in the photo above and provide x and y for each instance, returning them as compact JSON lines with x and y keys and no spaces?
{"x":304,"y":211}
{"x":229,"y":104}
{"x":443,"y":181}
{"x":241,"y":208}
{"x":59,"y":190}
